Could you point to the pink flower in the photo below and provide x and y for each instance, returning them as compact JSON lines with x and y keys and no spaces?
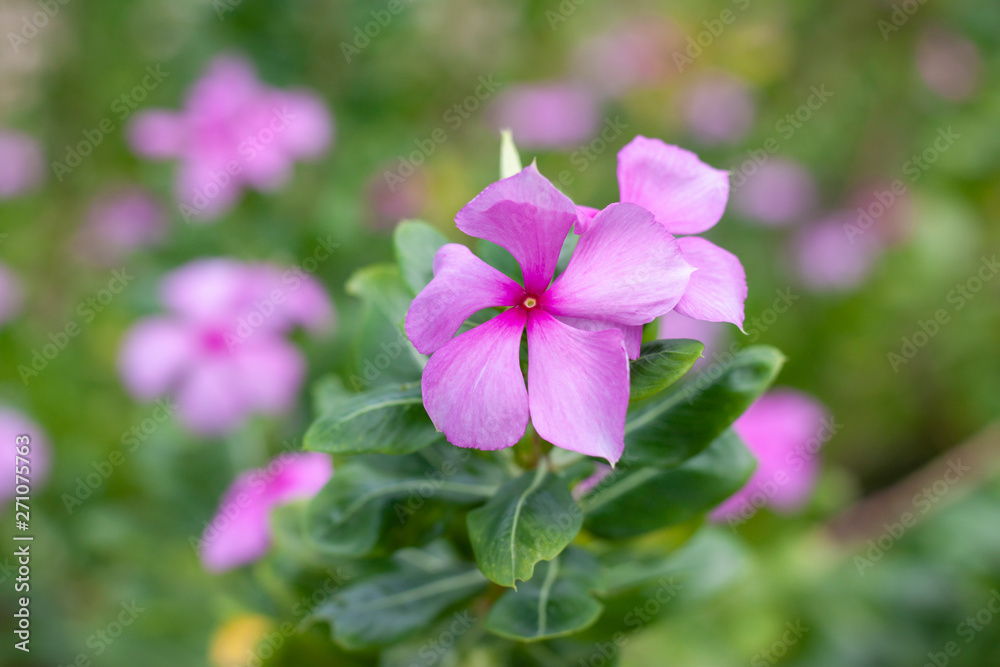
{"x":550,"y":115}
{"x":11,"y":295}
{"x":234,"y":132}
{"x":22,"y":165}
{"x":12,"y":425}
{"x":240,"y":531}
{"x":949,"y":64}
{"x":776,"y":194}
{"x":687,"y":197}
{"x":119,"y":223}
{"x":830,"y":256}
{"x":626,"y":271}
{"x":784,"y":429}
{"x":221,"y":351}
{"x":719,"y":109}
{"x":632,"y":54}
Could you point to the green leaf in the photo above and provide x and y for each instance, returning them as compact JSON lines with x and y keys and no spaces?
{"x":386,"y":420}
{"x":499,"y":259}
{"x":640,"y":500}
{"x":510,"y":160}
{"x":382,"y":287}
{"x":346,"y":517}
{"x":530,"y":519}
{"x":327,"y":392}
{"x":660,"y":364}
{"x":390,"y":607}
{"x":556,"y":602}
{"x":677,"y":424}
{"x":416,"y":243}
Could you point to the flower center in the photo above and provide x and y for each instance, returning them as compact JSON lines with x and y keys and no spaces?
{"x":530,"y":302}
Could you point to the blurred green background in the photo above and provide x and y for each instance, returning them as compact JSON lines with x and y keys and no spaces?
{"x":899,"y":73}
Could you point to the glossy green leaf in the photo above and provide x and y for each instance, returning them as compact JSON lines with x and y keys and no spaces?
{"x":510,"y":159}
{"x":530,"y":519}
{"x":347,"y":515}
{"x":556,"y":602}
{"x":385,"y":420}
{"x":677,"y":424}
{"x":416,"y":243}
{"x":640,"y":500}
{"x":660,"y":364}
{"x":388,"y":608}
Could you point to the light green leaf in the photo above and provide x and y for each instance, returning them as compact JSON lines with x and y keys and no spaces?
{"x":386,"y":420}
{"x":390,"y":607}
{"x":530,"y":519}
{"x":416,"y":243}
{"x":677,"y":424}
{"x":640,"y":500}
{"x":382,"y":287}
{"x":499,"y":259}
{"x":660,"y":364}
{"x":556,"y":602}
{"x":510,"y":160}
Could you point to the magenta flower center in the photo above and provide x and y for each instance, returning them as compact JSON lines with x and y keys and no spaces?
{"x":214,"y":340}
{"x":530,"y":301}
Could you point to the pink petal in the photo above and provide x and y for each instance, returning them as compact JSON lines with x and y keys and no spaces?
{"x":227,"y":86}
{"x":626,"y":269}
{"x":12,"y":425}
{"x":578,"y":386}
{"x":270,"y":372}
{"x":22,"y":164}
{"x":210,"y":400}
{"x":154,"y":355}
{"x":212,"y":289}
{"x":207,"y":188}
{"x":239,"y":533}
{"x":784,"y":429}
{"x":463,"y":284}
{"x":718,"y":287}
{"x":685,"y":194}
{"x":299,"y":475}
{"x":631,"y":334}
{"x":548,"y":115}
{"x":584,"y":215}
{"x":529,"y":217}
{"x":308,"y":304}
{"x":157,"y":134}
{"x":307,"y":128}
{"x":473,"y":388}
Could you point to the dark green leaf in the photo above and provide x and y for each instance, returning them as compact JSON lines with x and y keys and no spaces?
{"x":346,"y":517}
{"x":531,"y":518}
{"x":640,"y":500}
{"x":416,"y":243}
{"x":499,"y":259}
{"x":556,"y":602}
{"x":387,"y":420}
{"x":389,"y":607}
{"x":677,"y":424}
{"x":382,"y":287}
{"x":661,"y":363}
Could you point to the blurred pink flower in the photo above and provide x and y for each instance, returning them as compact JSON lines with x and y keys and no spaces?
{"x":949,"y":64}
{"x":240,"y":531}
{"x":718,"y":109}
{"x":234,"y":132}
{"x":630,"y":55}
{"x":709,"y":334}
{"x":22,"y":164}
{"x":11,"y":295}
{"x":784,"y":429}
{"x":548,"y":115}
{"x":120,"y":222}
{"x":222,"y":349}
{"x":829,"y":256}
{"x":393,"y":202}
{"x":12,"y":425}
{"x":779,"y":192}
